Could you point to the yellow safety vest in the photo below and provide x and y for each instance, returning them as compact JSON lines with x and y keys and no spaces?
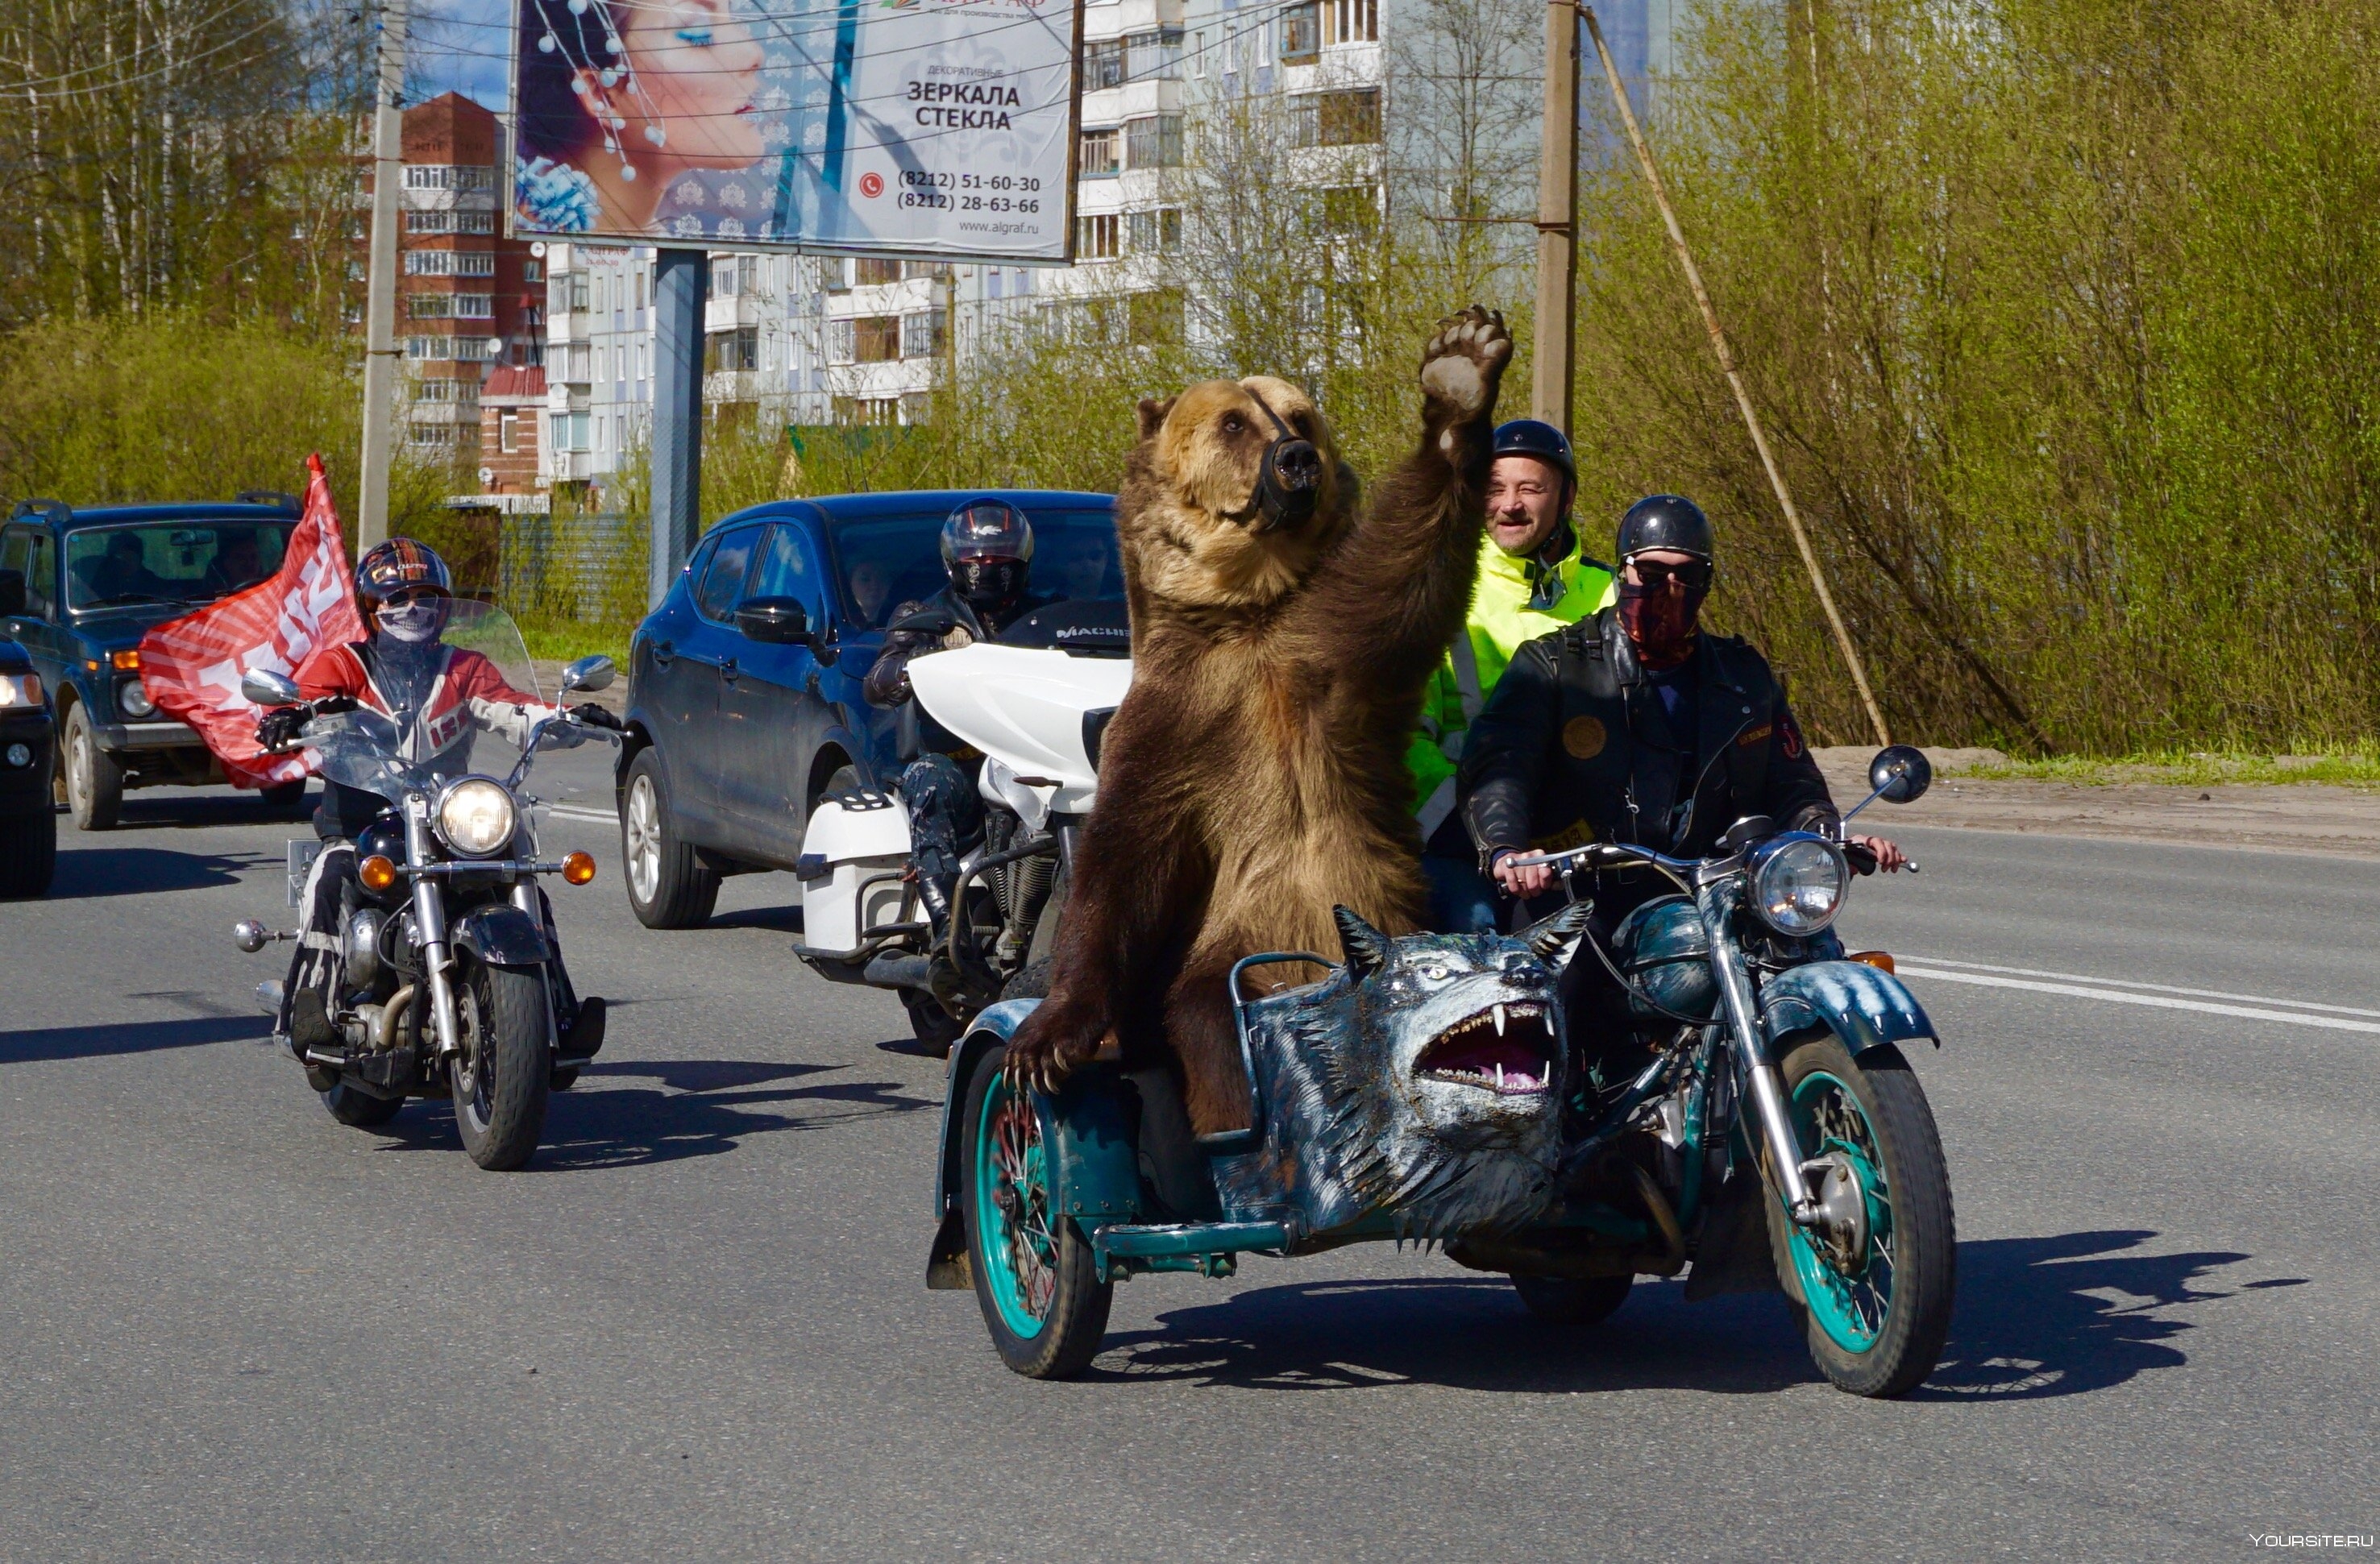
{"x":1506,"y":610}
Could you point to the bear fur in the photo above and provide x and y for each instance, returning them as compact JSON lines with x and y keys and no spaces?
{"x":1254,"y":777}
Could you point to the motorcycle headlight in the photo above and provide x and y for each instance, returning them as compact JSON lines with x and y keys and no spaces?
{"x":476,"y":817}
{"x":133,"y":697}
{"x":1797,"y":884}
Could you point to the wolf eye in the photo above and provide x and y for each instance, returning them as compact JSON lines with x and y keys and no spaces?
{"x":1435,"y":972}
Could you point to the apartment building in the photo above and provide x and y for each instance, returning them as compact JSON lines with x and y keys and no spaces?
{"x":467,"y":299}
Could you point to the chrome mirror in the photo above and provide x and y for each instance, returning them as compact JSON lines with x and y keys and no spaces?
{"x":263,"y":687}
{"x":589,"y":673}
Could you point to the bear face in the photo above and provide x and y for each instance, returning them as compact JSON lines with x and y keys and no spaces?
{"x":1195,"y":533}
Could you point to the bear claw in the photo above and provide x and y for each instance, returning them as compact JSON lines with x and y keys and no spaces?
{"x":1466,"y":360}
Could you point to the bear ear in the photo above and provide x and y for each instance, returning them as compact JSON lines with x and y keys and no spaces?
{"x":1556,"y":938}
{"x":1152,"y":416}
{"x":1366,"y":948}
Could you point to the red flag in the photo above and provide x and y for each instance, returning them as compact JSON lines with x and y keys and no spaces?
{"x":192,"y":665}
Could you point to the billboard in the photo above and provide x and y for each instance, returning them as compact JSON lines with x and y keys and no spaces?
{"x":925,"y":127}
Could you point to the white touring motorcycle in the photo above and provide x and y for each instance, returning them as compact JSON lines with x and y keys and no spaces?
{"x":1035,"y":705}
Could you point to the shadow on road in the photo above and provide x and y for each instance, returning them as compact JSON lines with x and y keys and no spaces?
{"x":703,"y":1108}
{"x":784,"y":920}
{"x":131,"y":1036}
{"x":130,"y":871}
{"x":2069,"y":1314}
{"x":177,"y":810}
{"x":2037,"y":1318}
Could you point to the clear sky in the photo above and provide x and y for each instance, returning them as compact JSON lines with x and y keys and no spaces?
{"x":459,"y":46}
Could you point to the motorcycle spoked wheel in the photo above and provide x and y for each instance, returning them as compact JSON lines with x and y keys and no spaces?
{"x":503,"y":1070}
{"x":1034,"y":1277}
{"x":1875,"y":1321}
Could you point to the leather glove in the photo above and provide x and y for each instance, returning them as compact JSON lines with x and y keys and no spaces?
{"x":595,"y":716}
{"x":277,"y":730}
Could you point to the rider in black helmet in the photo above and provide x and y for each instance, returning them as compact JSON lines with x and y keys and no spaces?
{"x":988,"y":553}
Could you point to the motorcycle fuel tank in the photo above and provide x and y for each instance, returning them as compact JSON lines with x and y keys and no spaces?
{"x":1667,"y":956}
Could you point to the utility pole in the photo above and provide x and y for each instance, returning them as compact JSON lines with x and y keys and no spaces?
{"x":380,"y":295}
{"x":681,"y":277}
{"x":1558,"y":221}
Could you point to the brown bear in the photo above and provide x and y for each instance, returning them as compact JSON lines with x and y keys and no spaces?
{"x":1254,"y":777}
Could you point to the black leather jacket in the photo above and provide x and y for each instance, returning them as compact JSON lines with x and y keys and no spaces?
{"x":1574,"y":746}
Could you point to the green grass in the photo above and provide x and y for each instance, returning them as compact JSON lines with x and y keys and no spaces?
{"x":2359,"y":768}
{"x":564,"y":642}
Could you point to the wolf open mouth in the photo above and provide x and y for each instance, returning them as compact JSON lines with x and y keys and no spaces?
{"x":1507,"y":1049}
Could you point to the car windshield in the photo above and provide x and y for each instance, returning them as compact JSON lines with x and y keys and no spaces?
{"x":468,"y":702}
{"x":889,"y":560}
{"x":178,"y":563}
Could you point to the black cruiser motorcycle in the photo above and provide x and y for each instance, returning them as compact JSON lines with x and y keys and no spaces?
{"x":449,"y":973}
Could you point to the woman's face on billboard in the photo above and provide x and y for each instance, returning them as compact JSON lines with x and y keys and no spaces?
{"x":695,"y":67}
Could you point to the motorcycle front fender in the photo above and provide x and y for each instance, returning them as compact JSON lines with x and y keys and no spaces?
{"x":501,"y":934}
{"x":1861,"y":1004}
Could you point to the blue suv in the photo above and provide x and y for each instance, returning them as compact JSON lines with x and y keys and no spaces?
{"x":739,"y":722}
{"x":78,"y":590}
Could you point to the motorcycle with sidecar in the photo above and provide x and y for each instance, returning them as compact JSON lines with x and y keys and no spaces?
{"x":1769,"y":1131}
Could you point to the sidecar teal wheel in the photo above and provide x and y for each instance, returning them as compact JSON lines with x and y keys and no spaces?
{"x":1875,"y":1288}
{"x":1034,"y":1275}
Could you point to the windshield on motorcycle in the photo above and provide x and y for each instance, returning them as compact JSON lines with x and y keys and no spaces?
{"x":463,"y":701}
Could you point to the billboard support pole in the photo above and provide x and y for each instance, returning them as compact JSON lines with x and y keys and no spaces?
{"x":1557,"y":223}
{"x":380,"y":289}
{"x":680,"y":277}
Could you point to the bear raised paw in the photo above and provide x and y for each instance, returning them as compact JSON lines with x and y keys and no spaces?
{"x":1254,"y":777}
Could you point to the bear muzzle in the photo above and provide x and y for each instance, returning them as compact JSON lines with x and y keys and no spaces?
{"x":1289,"y":484}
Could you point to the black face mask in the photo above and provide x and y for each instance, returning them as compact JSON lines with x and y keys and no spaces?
{"x":1291,"y":480}
{"x":990,"y":585}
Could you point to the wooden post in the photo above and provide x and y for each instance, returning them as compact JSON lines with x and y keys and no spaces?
{"x":1557,"y":223}
{"x":1734,"y":380}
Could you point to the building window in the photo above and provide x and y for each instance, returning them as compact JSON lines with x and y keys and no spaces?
{"x":730,"y":351}
{"x":1154,"y":142}
{"x":735,"y":277}
{"x":921,"y":334}
{"x":876,"y":339}
{"x":578,"y":290}
{"x":508,"y":432}
{"x":450,"y":263}
{"x":1153,"y":57}
{"x":1346,"y":119}
{"x":1350,"y":21}
{"x":1198,"y":52}
{"x":429,"y":306}
{"x":1156,"y":233}
{"x":475,"y":306}
{"x":868,"y":410}
{"x":1301,"y":34}
{"x":1102,"y":64}
{"x":869,"y":271}
{"x":1095,"y":237}
{"x":355,"y":271}
{"x":449,"y":176}
{"x":1099,"y":154}
{"x":450,"y":222}
{"x":430,"y":435}
{"x":841,"y":342}
{"x":447,"y":391}
{"x":567,"y":432}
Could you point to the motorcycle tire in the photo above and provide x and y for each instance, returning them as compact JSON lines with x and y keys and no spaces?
{"x":669,"y":885}
{"x":1572,"y":1301}
{"x":1034,"y":1275}
{"x":360,"y":1109}
{"x":501,"y":1077}
{"x":1877,"y":1330}
{"x":28,"y":855}
{"x":937,"y":1030}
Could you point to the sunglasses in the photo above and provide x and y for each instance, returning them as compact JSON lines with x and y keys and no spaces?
{"x":1694,"y":576}
{"x":407,"y":597}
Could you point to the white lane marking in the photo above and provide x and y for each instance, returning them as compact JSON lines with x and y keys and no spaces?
{"x":2159,"y":1001}
{"x":2149,"y":987}
{"x":571,"y":812}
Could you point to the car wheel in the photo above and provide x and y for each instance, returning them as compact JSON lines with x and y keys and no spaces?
{"x":28,"y":855}
{"x":669,"y":887}
{"x":94,"y":781}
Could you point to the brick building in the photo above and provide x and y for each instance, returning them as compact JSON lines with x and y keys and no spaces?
{"x":468,"y":299}
{"x":512,"y":407}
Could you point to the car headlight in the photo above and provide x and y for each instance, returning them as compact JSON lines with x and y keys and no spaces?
{"x":476,"y":817}
{"x":133,"y":697}
{"x":20,"y":689}
{"x":1797,"y":883}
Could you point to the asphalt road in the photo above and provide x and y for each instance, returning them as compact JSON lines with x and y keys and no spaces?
{"x":231,"y":1328}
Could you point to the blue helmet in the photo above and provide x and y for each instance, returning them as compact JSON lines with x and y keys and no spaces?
{"x":1535,"y":437}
